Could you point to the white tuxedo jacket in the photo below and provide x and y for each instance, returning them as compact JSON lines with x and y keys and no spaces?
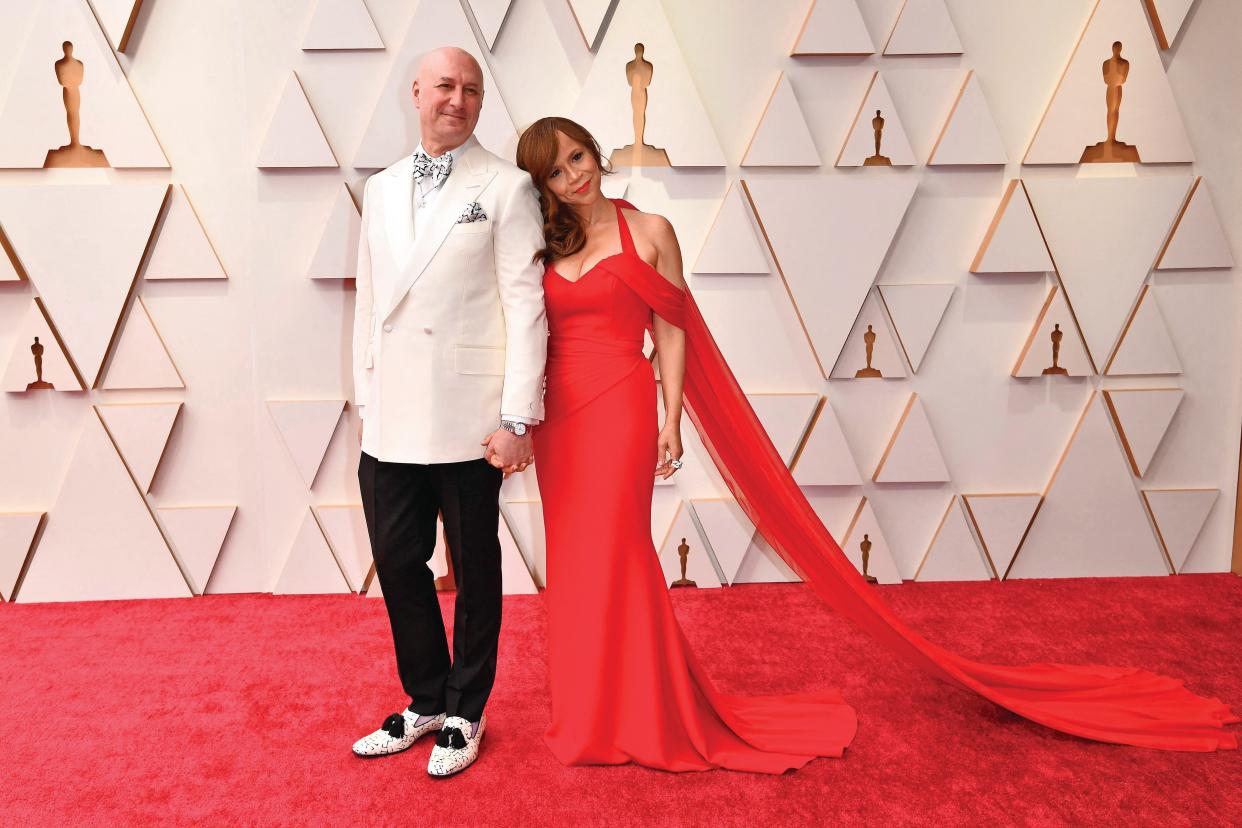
{"x":449,"y":325}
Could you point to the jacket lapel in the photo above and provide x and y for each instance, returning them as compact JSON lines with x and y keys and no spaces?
{"x":462,"y":187}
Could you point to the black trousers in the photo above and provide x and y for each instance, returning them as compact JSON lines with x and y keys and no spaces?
{"x":400,"y":502}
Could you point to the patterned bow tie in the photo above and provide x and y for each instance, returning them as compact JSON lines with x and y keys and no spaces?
{"x":436,"y":169}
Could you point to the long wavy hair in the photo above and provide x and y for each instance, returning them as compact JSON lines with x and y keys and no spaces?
{"x":564,"y":232}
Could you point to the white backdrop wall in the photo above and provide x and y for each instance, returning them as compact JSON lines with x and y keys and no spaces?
{"x":209,"y":75}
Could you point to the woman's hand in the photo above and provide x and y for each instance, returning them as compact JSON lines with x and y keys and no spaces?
{"x":668,"y":450}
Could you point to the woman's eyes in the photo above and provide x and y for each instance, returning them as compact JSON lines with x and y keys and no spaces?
{"x":554,"y":174}
{"x":578,"y":156}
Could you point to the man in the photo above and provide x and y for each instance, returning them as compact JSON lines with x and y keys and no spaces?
{"x":449,"y":345}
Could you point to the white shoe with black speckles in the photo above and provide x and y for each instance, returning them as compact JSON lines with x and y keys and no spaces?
{"x":456,"y":749}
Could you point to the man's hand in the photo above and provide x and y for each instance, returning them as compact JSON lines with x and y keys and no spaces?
{"x":509,"y":452}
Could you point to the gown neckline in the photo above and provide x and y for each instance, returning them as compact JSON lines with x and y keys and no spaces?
{"x":627,"y":246}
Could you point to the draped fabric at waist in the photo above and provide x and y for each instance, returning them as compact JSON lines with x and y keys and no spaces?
{"x":580,"y":368}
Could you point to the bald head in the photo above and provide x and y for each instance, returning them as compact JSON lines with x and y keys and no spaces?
{"x":448,"y":92}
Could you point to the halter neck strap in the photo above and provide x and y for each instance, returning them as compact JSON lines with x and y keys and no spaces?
{"x":627,"y":241}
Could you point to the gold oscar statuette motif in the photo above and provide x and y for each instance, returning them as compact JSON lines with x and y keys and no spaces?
{"x":683,"y":551}
{"x":69,"y":74}
{"x":877,"y":160}
{"x":869,"y":339}
{"x":638,"y":74}
{"x":39,"y":384}
{"x":1110,"y":150}
{"x":1057,"y":335}
{"x":865,"y":546}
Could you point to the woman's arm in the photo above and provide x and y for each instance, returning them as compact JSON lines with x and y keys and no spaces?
{"x":670,"y":343}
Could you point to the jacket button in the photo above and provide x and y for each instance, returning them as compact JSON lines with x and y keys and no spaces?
{"x":388,"y":329}
{"x":426,"y":330}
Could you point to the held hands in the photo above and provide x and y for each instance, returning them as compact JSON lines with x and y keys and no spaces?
{"x":669,"y":450}
{"x":509,"y":452}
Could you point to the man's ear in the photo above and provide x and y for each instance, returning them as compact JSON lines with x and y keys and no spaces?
{"x":414,"y":92}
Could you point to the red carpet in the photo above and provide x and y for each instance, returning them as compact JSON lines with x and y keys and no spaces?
{"x":241,"y":710}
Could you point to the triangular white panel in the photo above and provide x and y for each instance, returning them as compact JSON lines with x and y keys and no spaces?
{"x":1198,"y":240}
{"x":490,"y":15}
{"x":33,"y":120}
{"x":761,"y":565}
{"x":912,"y":455}
{"x":865,"y":528}
{"x":310,"y":568}
{"x":1142,"y":416}
{"x":197,"y":533}
{"x":1001,"y":520}
{"x":182,"y":249}
{"x":916,"y":311}
{"x":22,"y":370}
{"x":833,"y":27}
{"x":525,"y":520}
{"x":393,"y":129}
{"x":838,"y":224}
{"x":99,"y":509}
{"x":1077,"y":117}
{"x":826,"y":459}
{"x":337,"y":255}
{"x":699,"y":565}
{"x":140,"y":432}
{"x":117,"y":18}
{"x":1179,"y":515}
{"x":590,"y":15}
{"x":1167,"y":17}
{"x":615,"y":186}
{"x":307,"y":427}
{"x":953,"y":554}
{"x":727,"y":531}
{"x":81,"y":247}
{"x":345,"y":529}
{"x":1146,"y":346}
{"x":1013,"y":243}
{"x":872,"y":323}
{"x":676,"y":120}
{"x":1055,"y":322}
{"x":860,"y":140}
{"x":140,"y":358}
{"x":785,"y":418}
{"x":17,"y":535}
{"x":781,"y":138}
{"x":1068,"y":538}
{"x":732,"y":244}
{"x":923,"y":27}
{"x":8,"y":260}
{"x":1103,"y":234}
{"x":515,"y":574}
{"x":969,"y":135}
{"x":341,"y":24}
{"x":294,"y":137}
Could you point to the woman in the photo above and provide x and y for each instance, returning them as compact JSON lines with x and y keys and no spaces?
{"x":624,"y":684}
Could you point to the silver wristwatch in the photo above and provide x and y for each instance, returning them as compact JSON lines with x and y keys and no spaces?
{"x":517,"y":428}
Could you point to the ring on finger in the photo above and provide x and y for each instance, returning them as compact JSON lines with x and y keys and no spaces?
{"x":675,"y":463}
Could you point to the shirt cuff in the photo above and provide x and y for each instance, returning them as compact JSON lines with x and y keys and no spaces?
{"x":513,"y":418}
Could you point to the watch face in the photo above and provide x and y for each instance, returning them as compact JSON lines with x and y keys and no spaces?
{"x":519,"y":429}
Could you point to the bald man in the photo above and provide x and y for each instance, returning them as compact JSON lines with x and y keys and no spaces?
{"x":449,"y":345}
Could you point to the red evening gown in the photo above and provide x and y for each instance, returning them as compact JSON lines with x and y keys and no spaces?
{"x":625,"y":685}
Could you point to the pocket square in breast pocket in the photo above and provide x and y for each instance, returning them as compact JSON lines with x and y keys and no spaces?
{"x":472,"y":212}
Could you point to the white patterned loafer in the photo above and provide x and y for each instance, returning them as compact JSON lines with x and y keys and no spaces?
{"x":455,"y":748}
{"x":397,"y":733}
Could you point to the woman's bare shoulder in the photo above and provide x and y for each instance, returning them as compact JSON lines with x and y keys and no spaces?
{"x":651,"y":226}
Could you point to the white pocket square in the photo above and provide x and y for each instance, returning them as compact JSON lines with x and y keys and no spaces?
{"x":472,"y":212}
